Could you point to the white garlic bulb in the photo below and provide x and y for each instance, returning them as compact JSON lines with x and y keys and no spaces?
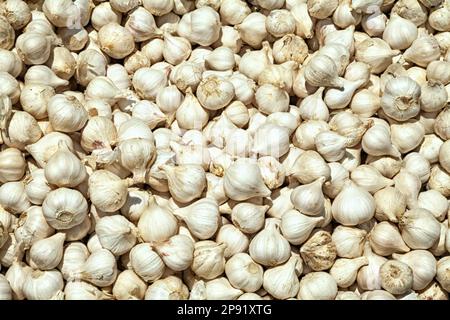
{"x":319,"y":251}
{"x":177,"y":253}
{"x":419,"y":228}
{"x":64,"y":169}
{"x":64,"y":208}
{"x":396,"y":277}
{"x":170,"y":288}
{"x":116,"y":234}
{"x":43,"y":285}
{"x":209,"y":260}
{"x":100,"y":269}
{"x":345,"y":271}
{"x":347,"y":212}
{"x":146,"y":262}
{"x":349,"y":241}
{"x":317,"y":286}
{"x":423,"y":265}
{"x":385,"y":239}
{"x":234,"y":239}
{"x":45,"y":254}
{"x":243,"y":180}
{"x":201,"y":217}
{"x":268,"y":247}
{"x":243,"y":273}
{"x":282,"y":281}
{"x":400,"y":99}
{"x":157,"y":223}
{"x":399,"y":40}
{"x":103,"y":184}
{"x":186,"y":182}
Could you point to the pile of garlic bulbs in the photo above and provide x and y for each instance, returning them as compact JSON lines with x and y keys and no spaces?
{"x":225,"y":149}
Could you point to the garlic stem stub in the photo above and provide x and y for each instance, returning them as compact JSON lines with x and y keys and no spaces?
{"x":224,"y":149}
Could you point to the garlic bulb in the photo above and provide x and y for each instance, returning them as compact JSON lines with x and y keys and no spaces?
{"x":268,"y":247}
{"x":368,"y":277}
{"x":64,"y":169}
{"x":99,"y":269}
{"x":423,"y":50}
{"x":214,"y":92}
{"x":399,"y":40}
{"x":390,"y":204}
{"x":45,"y":254}
{"x":177,"y":253}
{"x":407,"y":136}
{"x":129,"y":286}
{"x":234,"y":239}
{"x":116,"y":234}
{"x":376,"y":53}
{"x":75,"y":254}
{"x":417,"y":164}
{"x":309,"y":198}
{"x":243,"y":273}
{"x":157,"y":223}
{"x":64,"y":208}
{"x":317,"y":286}
{"x":43,"y":285}
{"x":442,"y":272}
{"x":12,"y":165}
{"x":201,"y":26}
{"x":400,"y":99}
{"x":313,"y":107}
{"x":377,"y":142}
{"x":32,"y":227}
{"x":270,"y":99}
{"x":243,"y":180}
{"x":385,"y":239}
{"x":201,"y":217}
{"x":16,"y":275}
{"x":186,"y":182}
{"x":344,"y":271}
{"x":282,"y":281}
{"x":319,"y":252}
{"x":209,"y":260}
{"x":66,"y":113}
{"x":21,"y":131}
{"x":419,"y":228}
{"x":330,"y":145}
{"x":297,"y":227}
{"x":409,"y":184}
{"x":444,"y":153}
{"x":102,"y":184}
{"x":370,"y":178}
{"x":220,"y":289}
{"x":321,"y":70}
{"x":170,"y":288}
{"x":347,"y":212}
{"x":350,"y":126}
{"x":146,"y":262}
{"x":349,"y":241}
{"x":396,"y":277}
{"x":248,"y":217}
{"x":423,"y":265}
{"x":310,"y":166}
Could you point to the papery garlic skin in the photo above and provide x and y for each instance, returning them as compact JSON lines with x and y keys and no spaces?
{"x":317,"y":286}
